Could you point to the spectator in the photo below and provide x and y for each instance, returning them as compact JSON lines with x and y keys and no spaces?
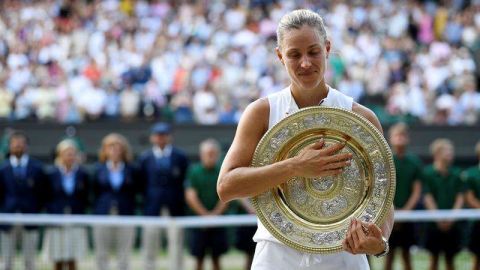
{"x":69,"y":194}
{"x":115,"y":187}
{"x":469,"y":102}
{"x":472,"y":197}
{"x":129,"y":103}
{"x":6,"y":102}
{"x":205,"y":107}
{"x":408,"y":191}
{"x":22,"y":189}
{"x":443,"y":190}
{"x":162,"y":172}
{"x":201,"y":195}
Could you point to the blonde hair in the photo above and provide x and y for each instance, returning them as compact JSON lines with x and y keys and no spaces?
{"x":440,"y":144}
{"x":298,"y":18}
{"x":113,"y":138}
{"x":63,"y":146}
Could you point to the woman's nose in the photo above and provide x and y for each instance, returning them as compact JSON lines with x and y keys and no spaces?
{"x":305,"y":62}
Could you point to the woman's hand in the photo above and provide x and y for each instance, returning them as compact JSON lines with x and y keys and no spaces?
{"x":316,"y":161}
{"x":363,"y":238}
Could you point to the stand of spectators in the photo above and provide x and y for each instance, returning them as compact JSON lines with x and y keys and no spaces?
{"x":203,"y":61}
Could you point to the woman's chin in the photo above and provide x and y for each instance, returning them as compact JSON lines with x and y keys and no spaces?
{"x":309,"y":85}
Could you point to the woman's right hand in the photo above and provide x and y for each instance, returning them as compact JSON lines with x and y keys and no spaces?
{"x":316,"y":160}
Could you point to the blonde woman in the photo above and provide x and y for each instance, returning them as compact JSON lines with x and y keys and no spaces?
{"x":303,"y":49}
{"x":68,"y":183}
{"x":115,"y":190}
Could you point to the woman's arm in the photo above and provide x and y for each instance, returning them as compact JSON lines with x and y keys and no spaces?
{"x":365,"y":237}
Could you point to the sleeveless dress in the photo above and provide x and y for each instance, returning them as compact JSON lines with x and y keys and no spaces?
{"x":272,"y":254}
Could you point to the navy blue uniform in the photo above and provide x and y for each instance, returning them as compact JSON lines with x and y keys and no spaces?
{"x":163,"y":182}
{"x":60,"y":201}
{"x":109,"y":200}
{"x":22,"y":190}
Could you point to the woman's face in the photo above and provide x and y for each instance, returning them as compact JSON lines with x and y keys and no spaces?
{"x":114,"y":151}
{"x":399,"y":139}
{"x":303,"y":53}
{"x":69,"y":156}
{"x":446,"y":154}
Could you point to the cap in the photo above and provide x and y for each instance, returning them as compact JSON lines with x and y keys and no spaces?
{"x":161,"y":128}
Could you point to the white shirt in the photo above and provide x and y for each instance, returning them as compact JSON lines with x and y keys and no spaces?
{"x":160,"y":153}
{"x":283,"y":104}
{"x":23,"y":161}
{"x":115,"y":174}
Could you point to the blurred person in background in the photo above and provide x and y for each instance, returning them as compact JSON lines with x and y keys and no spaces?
{"x":115,"y":187}
{"x":443,"y":190}
{"x":472,"y":197}
{"x":162,"y":173}
{"x":201,"y":196}
{"x":69,"y":193}
{"x":244,"y":234}
{"x":23,"y":187}
{"x":407,"y":194}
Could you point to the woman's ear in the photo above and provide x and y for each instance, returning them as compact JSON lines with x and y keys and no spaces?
{"x":327,"y":47}
{"x":279,"y":55}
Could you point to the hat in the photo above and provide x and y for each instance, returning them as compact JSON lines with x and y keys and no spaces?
{"x":161,"y":128}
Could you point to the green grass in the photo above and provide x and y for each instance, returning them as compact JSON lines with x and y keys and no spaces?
{"x":234,"y":260}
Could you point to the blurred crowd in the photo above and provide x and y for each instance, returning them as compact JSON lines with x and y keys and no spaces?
{"x":204,"y":61}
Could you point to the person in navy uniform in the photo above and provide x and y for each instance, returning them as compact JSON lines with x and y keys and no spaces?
{"x":115,"y":187}
{"x":69,"y":193}
{"x":22,"y":190}
{"x":162,"y":170}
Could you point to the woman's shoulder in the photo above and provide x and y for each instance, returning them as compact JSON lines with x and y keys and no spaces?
{"x":368,"y":114}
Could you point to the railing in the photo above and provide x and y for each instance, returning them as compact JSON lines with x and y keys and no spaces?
{"x":176,"y":225}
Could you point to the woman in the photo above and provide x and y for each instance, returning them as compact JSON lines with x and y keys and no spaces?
{"x":302,"y":49}
{"x":69,"y":193}
{"x":115,"y":190}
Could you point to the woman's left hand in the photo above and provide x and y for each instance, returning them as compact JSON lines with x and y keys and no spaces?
{"x":363,"y":238}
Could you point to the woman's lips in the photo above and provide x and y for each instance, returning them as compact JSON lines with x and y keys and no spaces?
{"x":306,"y":73}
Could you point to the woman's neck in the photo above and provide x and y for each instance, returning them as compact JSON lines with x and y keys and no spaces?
{"x":115,"y":163}
{"x":309,"y":97}
{"x":399,"y":151}
{"x":68,"y":167}
{"x":441,"y":166}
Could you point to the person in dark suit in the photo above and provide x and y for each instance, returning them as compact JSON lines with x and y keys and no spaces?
{"x":162,"y":170}
{"x":115,"y":189}
{"x":22,"y":190}
{"x":69,"y":192}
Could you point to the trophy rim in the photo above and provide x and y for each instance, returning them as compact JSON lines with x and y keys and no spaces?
{"x":381,"y":216}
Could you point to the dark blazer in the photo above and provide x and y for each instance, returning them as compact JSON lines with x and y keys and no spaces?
{"x":163,"y":185}
{"x":62,"y":203}
{"x":106,"y":198}
{"x":25,"y":195}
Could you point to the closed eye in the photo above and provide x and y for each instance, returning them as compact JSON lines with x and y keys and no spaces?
{"x":293,"y":55}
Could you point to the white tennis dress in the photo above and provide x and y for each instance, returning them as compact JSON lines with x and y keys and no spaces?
{"x":271,"y":254}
